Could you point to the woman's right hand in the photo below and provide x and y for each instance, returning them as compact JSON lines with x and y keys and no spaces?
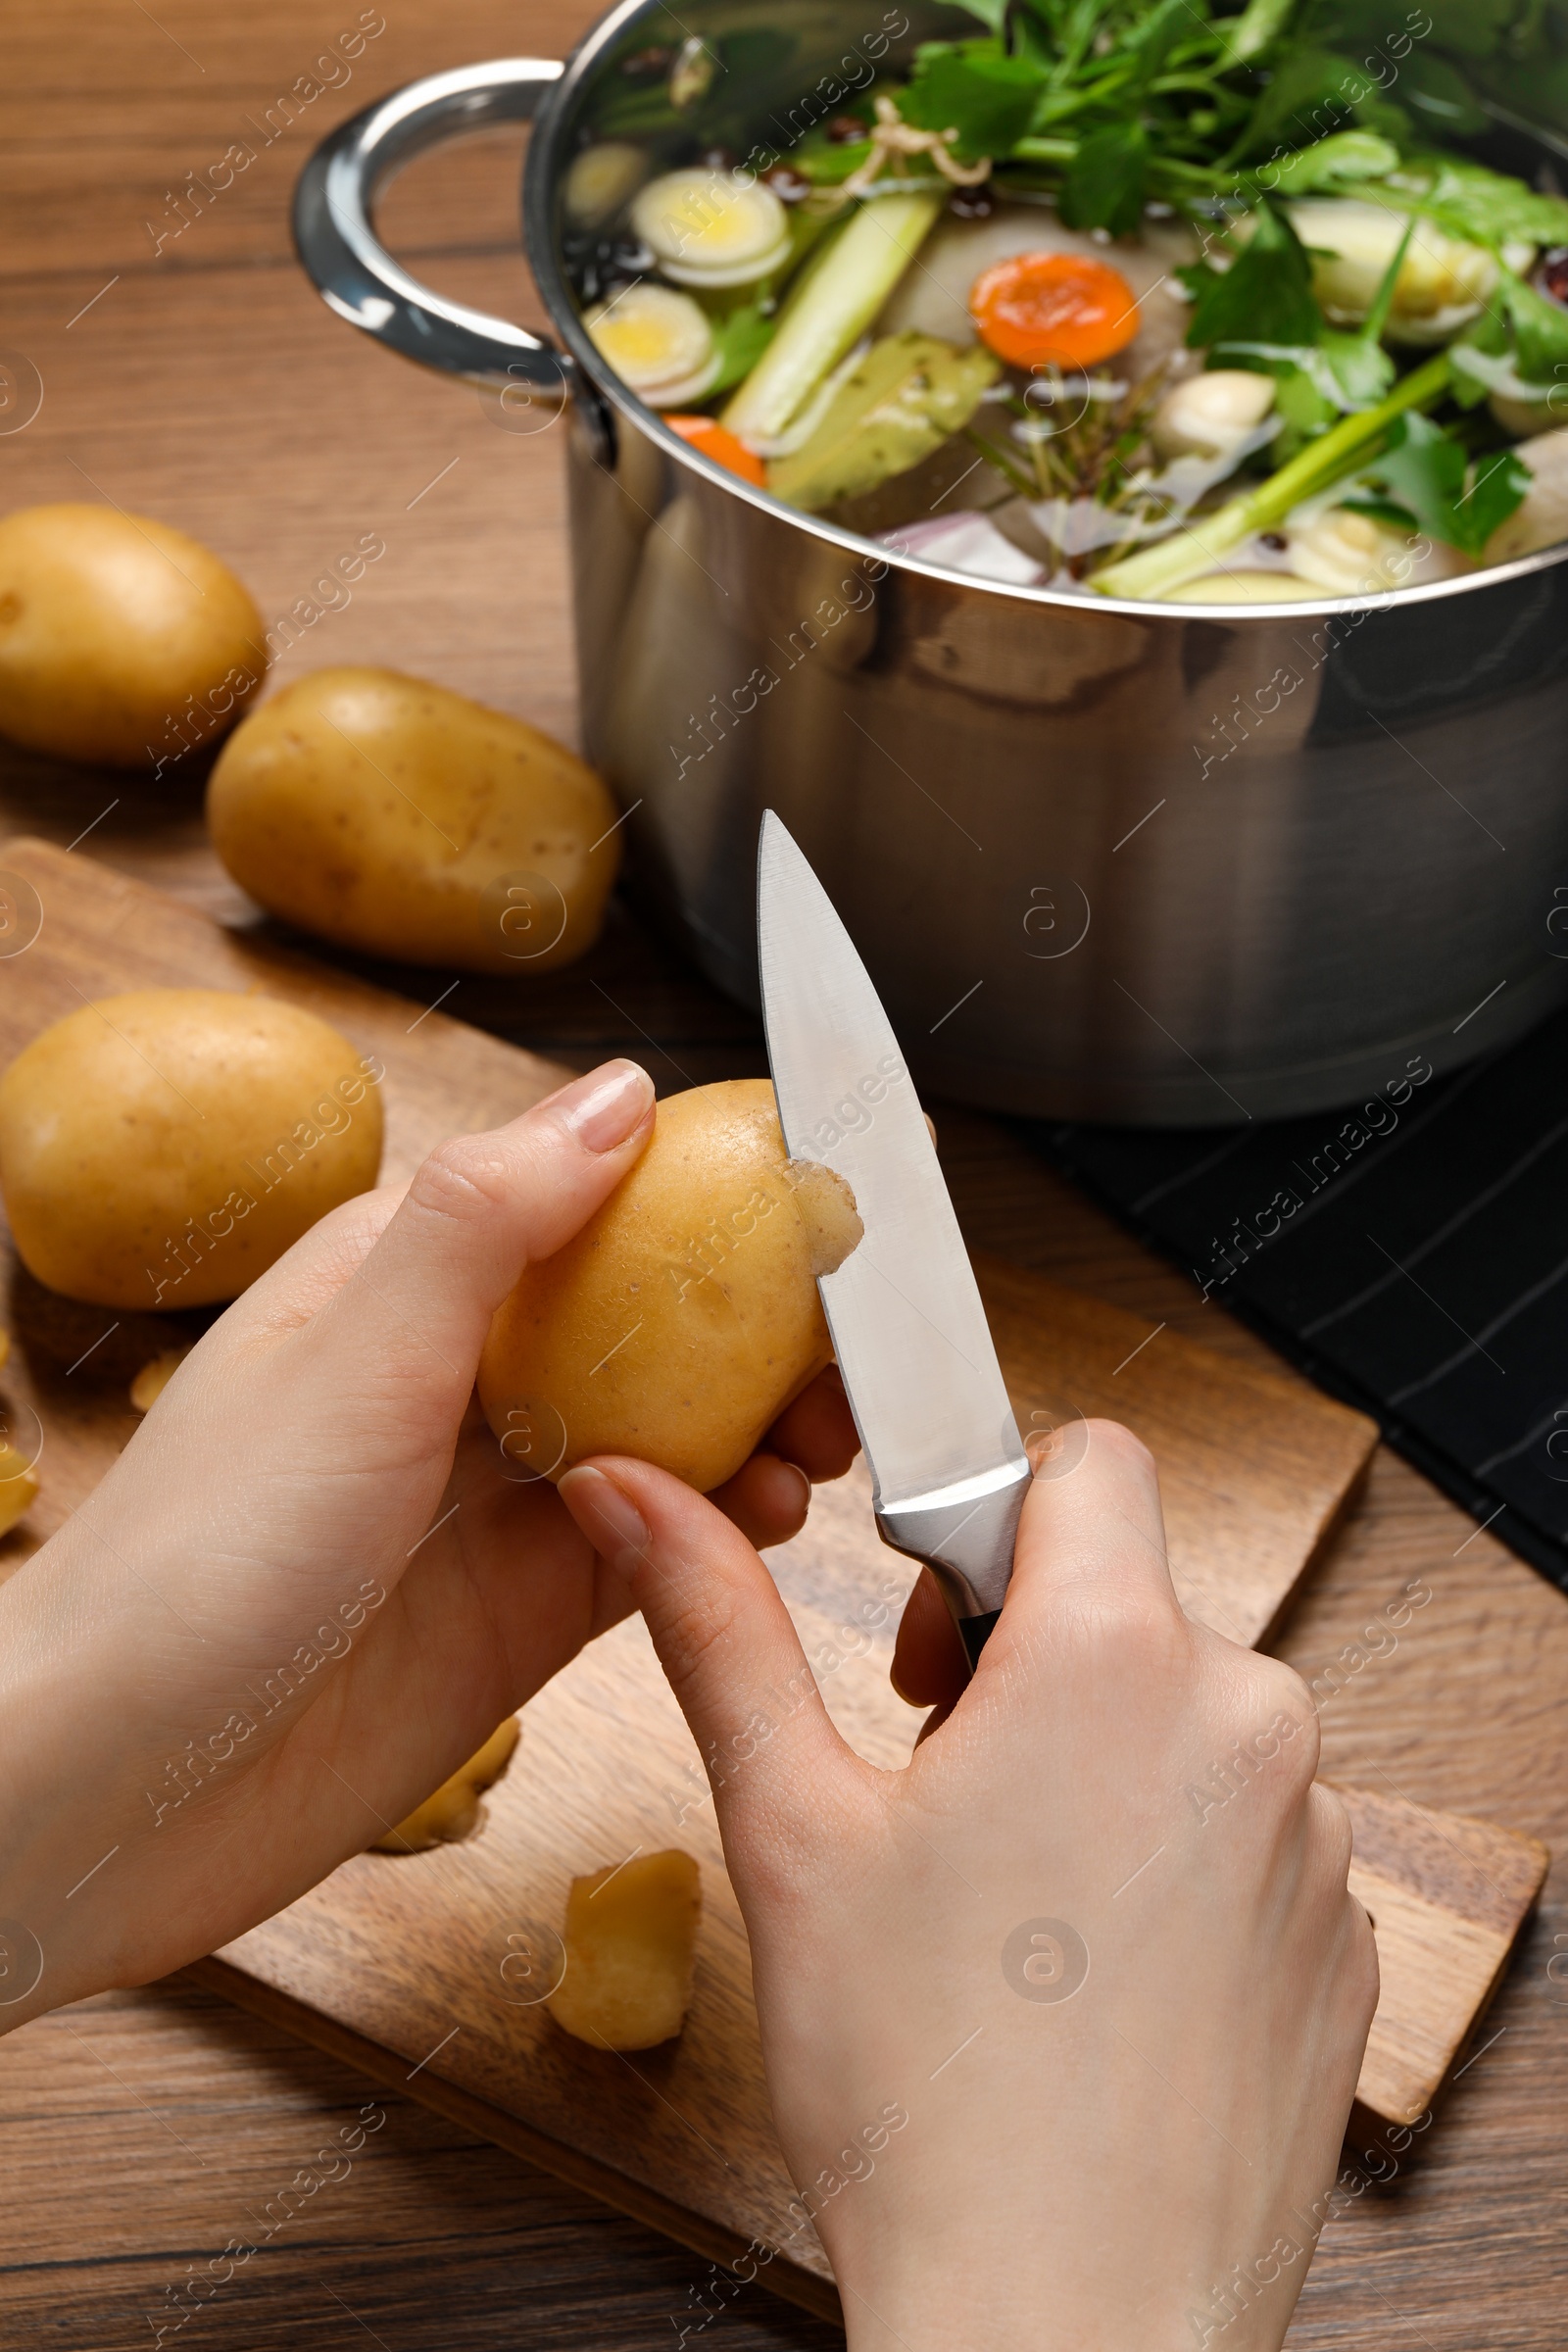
{"x":1062,"y":2037}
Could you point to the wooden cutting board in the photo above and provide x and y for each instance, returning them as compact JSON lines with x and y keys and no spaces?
{"x":415,"y":1965}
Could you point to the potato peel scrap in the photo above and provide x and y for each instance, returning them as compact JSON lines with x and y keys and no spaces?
{"x":631,"y":1944}
{"x":826,"y":1208}
{"x":453,"y":1811}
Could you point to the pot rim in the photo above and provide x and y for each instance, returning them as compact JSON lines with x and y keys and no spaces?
{"x":541,"y":171}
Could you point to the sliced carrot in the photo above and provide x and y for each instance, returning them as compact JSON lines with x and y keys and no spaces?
{"x":1053,"y":310}
{"x":706,"y":434}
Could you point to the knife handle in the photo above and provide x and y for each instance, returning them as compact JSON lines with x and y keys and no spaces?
{"x":965,"y":1534}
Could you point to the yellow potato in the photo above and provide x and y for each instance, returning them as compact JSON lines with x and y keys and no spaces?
{"x":163,"y":1148}
{"x":453,"y":1811}
{"x":19,"y":1487}
{"x":631,"y":1940}
{"x":390,"y":815}
{"x":684,"y":1316}
{"x":121,"y":639}
{"x":154,"y":1378}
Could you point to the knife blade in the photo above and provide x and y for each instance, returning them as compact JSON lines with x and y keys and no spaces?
{"x":948,"y":1466}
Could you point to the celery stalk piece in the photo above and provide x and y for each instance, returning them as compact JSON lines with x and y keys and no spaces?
{"x":836,"y":305}
{"x":1171,"y":563}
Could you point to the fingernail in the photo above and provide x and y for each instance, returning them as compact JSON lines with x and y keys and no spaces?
{"x":803,"y":1500}
{"x":609,"y":1519}
{"x":602,"y":1109}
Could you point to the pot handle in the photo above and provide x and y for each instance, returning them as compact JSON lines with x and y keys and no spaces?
{"x":356,"y":276}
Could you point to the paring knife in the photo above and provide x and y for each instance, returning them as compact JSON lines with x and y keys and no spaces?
{"x":948,"y":1466}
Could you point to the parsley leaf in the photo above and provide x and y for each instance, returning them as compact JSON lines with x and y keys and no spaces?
{"x":1310,"y":86}
{"x":1500,"y":484}
{"x":990,"y":12}
{"x":1487,"y":208}
{"x":1265,"y":296}
{"x":975,"y":88}
{"x":1151,"y":43}
{"x":1425,"y":472}
{"x":1540,"y":330}
{"x":1333,"y":165}
{"x":1105,"y":185}
{"x":1248,"y":35}
{"x":1363,"y":370}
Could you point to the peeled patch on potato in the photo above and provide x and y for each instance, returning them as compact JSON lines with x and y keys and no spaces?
{"x":684,"y":1317}
{"x":163,"y":1148}
{"x":390,"y":815}
{"x":453,"y":1811}
{"x":19,"y":1487}
{"x":631,"y":1943}
{"x":121,"y":639}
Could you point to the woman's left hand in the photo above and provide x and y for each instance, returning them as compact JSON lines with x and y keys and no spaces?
{"x":314,"y":1584}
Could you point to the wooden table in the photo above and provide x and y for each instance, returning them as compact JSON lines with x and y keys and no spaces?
{"x":202,"y":381}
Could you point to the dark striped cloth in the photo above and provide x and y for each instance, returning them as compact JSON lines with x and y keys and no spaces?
{"x":1409,"y":1254}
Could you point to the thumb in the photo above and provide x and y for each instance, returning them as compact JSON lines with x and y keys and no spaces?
{"x":478,"y":1210}
{"x":722,"y":1634}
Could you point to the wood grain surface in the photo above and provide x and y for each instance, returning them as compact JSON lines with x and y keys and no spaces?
{"x":412,"y":1955}
{"x":1447,"y":1899}
{"x":204,"y":383}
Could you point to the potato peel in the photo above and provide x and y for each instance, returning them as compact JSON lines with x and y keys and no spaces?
{"x":453,"y":1812}
{"x":631,"y":1947}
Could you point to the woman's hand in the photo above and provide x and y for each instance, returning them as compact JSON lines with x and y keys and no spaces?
{"x":313,"y":1584}
{"x":1062,"y":2039}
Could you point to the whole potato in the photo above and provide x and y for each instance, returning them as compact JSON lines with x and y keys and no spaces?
{"x":390,"y":815}
{"x":121,"y":639}
{"x":163,"y":1148}
{"x":684,"y":1316}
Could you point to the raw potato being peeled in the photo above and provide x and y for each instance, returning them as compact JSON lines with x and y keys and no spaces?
{"x":121,"y":639}
{"x":684,"y":1317}
{"x":163,"y":1148}
{"x":631,"y":1940}
{"x":390,"y":815}
{"x":453,"y":1811}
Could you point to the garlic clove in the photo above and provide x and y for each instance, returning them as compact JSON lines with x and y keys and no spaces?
{"x":1208,"y":413}
{"x":1347,"y":554}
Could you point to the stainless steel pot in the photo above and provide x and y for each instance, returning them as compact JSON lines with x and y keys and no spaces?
{"x":1131,"y":862}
